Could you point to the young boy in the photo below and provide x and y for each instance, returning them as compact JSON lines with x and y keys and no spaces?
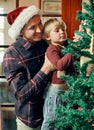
{"x":55,"y":34}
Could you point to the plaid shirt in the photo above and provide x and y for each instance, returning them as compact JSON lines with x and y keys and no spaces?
{"x":22,"y":63}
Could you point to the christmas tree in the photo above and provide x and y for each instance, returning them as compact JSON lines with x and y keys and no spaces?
{"x":78,"y":113}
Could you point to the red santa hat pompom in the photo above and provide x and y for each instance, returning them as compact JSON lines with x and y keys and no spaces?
{"x":19,"y":17}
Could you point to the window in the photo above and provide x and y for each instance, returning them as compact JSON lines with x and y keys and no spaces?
{"x":2,"y":26}
{"x":7,"y":114}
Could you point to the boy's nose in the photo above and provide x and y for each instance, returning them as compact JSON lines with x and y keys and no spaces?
{"x":61,"y":31}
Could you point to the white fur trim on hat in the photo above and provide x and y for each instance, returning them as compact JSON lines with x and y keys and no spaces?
{"x":22,"y":19}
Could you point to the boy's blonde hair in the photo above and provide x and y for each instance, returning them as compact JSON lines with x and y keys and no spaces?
{"x":49,"y":24}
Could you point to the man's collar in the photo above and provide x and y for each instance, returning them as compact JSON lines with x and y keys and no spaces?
{"x":24,"y":43}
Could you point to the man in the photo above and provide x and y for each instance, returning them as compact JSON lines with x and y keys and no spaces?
{"x":24,"y":68}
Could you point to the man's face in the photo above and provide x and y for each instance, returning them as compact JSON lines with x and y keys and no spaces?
{"x":32,"y":31}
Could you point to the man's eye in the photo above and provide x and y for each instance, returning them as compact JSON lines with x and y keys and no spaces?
{"x":32,"y":27}
{"x":40,"y":23}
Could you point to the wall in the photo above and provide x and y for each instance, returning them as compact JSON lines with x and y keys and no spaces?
{"x":69,"y":13}
{"x":9,"y":5}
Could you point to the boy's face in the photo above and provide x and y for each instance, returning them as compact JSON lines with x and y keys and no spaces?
{"x":32,"y":31}
{"x":57,"y":35}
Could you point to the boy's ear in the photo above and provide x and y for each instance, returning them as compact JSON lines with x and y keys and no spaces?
{"x":47,"y":37}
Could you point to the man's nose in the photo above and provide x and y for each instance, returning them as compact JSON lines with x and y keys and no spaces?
{"x":38,"y":29}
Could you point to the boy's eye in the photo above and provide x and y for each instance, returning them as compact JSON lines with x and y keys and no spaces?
{"x":63,"y":29}
{"x":56,"y":30}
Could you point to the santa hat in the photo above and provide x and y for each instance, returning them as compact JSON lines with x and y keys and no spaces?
{"x":19,"y":17}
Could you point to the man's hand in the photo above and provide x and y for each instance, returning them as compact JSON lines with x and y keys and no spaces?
{"x":47,"y":66}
